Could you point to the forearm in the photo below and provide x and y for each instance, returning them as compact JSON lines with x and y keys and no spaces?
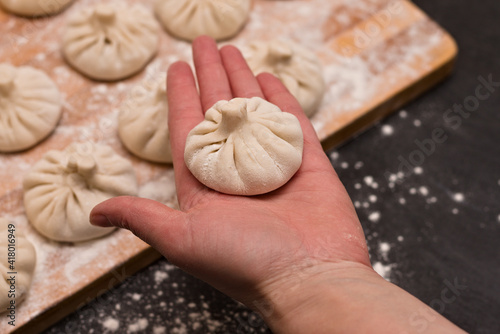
{"x":349,"y":300}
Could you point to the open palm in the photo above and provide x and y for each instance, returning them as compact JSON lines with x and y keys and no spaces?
{"x":242,"y":245}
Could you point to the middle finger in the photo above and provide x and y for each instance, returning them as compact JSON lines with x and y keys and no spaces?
{"x":212,"y":77}
{"x":241,"y":78}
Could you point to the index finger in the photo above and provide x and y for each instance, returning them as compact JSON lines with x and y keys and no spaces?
{"x":185,"y":112}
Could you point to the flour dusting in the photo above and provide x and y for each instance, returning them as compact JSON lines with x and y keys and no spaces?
{"x":111,"y":324}
{"x":139,"y":325}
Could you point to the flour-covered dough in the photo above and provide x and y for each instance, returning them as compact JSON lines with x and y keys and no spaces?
{"x":188,"y":19}
{"x":30,"y":107}
{"x":15,"y":247}
{"x":34,"y":7}
{"x":245,"y":147}
{"x":62,"y":188}
{"x":297,"y":67}
{"x":143,"y":121}
{"x":111,"y":41}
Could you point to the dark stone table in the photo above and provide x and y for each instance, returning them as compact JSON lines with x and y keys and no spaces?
{"x":433,"y":226}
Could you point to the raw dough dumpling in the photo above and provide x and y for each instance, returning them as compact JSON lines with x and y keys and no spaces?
{"x":64,"y":186}
{"x":24,"y":265}
{"x":30,"y":107}
{"x":34,"y":7}
{"x":111,"y":41}
{"x":143,"y":122}
{"x":298,"y":68}
{"x":188,"y":19}
{"x":245,"y":147}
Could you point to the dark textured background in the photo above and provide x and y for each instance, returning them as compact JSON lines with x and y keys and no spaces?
{"x":433,"y":238}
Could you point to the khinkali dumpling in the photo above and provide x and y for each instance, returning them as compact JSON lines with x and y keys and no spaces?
{"x":245,"y":147}
{"x":111,"y":41}
{"x":17,"y":255}
{"x":34,"y":7}
{"x":64,"y":186}
{"x":30,"y":107}
{"x":188,"y":19}
{"x":143,"y":122}
{"x":298,"y":68}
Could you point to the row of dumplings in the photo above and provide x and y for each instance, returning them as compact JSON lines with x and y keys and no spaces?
{"x":31,"y":103}
{"x":187,"y":19}
{"x":111,"y":42}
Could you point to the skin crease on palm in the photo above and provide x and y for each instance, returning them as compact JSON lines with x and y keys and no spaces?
{"x":280,"y":249}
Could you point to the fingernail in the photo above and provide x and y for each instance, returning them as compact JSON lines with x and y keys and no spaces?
{"x":100,"y":220}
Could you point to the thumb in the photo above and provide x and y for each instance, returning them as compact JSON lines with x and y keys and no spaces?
{"x":157,"y":224}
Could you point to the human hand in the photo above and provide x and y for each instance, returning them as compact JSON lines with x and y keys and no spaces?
{"x":272,"y":252}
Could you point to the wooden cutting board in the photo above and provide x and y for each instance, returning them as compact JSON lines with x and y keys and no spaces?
{"x":377,"y":56}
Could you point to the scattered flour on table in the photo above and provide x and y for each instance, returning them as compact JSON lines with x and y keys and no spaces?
{"x":160,"y":276}
{"x":417,"y":123}
{"x":204,"y":317}
{"x":432,"y":200}
{"x":423,"y":191}
{"x":374,"y":216}
{"x":136,"y":297}
{"x":403,"y":114}
{"x":350,"y":83}
{"x":368,"y":180}
{"x":161,"y":190}
{"x":159,"y":330}
{"x":458,"y":197}
{"x":418,"y":170}
{"x":139,"y":325}
{"x":111,"y":324}
{"x":83,"y":253}
{"x":387,"y":130}
{"x":384,"y":249}
{"x":99,"y":89}
{"x":180,"y":328}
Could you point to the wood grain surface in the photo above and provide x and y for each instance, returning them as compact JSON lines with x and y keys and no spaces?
{"x":377,"y":55}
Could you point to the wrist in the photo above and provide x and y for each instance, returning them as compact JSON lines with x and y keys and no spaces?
{"x":345,"y":298}
{"x":306,"y":295}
